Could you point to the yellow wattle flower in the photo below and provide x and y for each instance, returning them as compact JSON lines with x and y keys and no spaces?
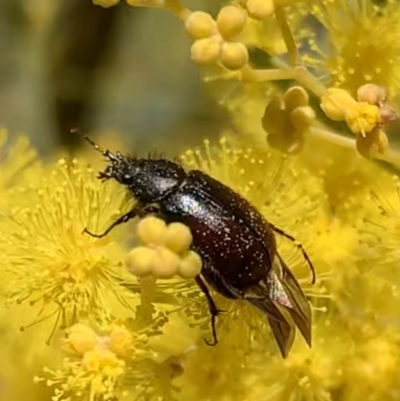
{"x":373,"y":53}
{"x":49,"y":263}
{"x":19,"y":164}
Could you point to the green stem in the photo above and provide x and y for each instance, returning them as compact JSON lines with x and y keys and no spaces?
{"x":287,"y":36}
{"x":390,"y":156}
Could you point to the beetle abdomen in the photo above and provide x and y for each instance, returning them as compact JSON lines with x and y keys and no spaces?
{"x":219,"y":236}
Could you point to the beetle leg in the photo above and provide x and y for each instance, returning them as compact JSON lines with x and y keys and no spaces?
{"x":212,"y":308}
{"x":151,"y":208}
{"x":299,"y":246}
{"x":123,"y":219}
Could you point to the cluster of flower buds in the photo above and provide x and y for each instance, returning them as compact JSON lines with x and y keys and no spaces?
{"x":287,"y":119}
{"x":96,"y":365}
{"x":214,"y":38}
{"x":365,"y":116}
{"x":258,"y":9}
{"x":164,"y":252}
{"x":82,"y":339}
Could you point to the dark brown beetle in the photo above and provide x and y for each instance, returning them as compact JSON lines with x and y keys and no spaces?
{"x":237,"y":245}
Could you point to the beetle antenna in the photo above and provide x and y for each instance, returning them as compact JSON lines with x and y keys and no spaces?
{"x":104,"y":152}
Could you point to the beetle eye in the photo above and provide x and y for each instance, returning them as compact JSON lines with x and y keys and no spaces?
{"x":127,"y":177}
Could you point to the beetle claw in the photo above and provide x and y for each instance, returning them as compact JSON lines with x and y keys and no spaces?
{"x":86,"y":231}
{"x":211,"y":343}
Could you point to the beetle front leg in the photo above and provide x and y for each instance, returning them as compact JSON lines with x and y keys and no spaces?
{"x":212,"y":308}
{"x":123,"y":219}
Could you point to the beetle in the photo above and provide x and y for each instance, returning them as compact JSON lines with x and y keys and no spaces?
{"x":236,"y":243}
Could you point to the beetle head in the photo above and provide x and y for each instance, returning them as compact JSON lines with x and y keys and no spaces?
{"x":148,"y":180}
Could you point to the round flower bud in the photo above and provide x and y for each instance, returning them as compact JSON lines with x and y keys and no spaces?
{"x":388,"y":114}
{"x":81,"y":339}
{"x":165,"y":264}
{"x":302,"y":117}
{"x":260,"y":9}
{"x":234,"y":55}
{"x":140,"y":261}
{"x":200,"y":25}
{"x":294,"y":97}
{"x":291,"y":143}
{"x":336,"y":102}
{"x":374,"y":142}
{"x":275,"y":120}
{"x":190,"y":265}
{"x":231,"y":21}
{"x":151,"y":230}
{"x":178,"y":238}
{"x":206,"y":51}
{"x":105,"y":3}
{"x":371,"y":93}
{"x":120,"y":339}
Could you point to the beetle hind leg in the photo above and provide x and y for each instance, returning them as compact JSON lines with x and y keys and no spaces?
{"x":214,"y":311}
{"x":300,"y":247}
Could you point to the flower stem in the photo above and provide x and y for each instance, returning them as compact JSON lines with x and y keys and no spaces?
{"x":276,"y":74}
{"x":390,"y":156}
{"x":287,"y":36}
{"x":174,"y":6}
{"x":144,"y":312}
{"x":300,"y":74}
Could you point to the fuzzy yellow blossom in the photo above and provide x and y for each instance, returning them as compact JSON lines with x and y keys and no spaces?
{"x":362,"y":118}
{"x":376,"y":364}
{"x":95,"y":371}
{"x":120,"y":339}
{"x":379,"y":223}
{"x":307,"y":373}
{"x":336,"y":102}
{"x":19,"y":163}
{"x":372,"y":55}
{"x":50,"y":264}
{"x":377,"y":95}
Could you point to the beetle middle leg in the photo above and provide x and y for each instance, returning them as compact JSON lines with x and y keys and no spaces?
{"x":299,"y":246}
{"x":212,"y":308}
